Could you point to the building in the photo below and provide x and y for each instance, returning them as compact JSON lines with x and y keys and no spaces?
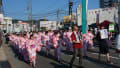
{"x":116,"y":3}
{"x":109,"y":3}
{"x":6,"y":23}
{"x":110,"y":14}
{"x":48,"y":25}
{"x":106,"y":3}
{"x":21,"y":27}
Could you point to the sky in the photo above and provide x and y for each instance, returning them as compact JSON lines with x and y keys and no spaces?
{"x":17,"y":9}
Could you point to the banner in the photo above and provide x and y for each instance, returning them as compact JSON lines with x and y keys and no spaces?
{"x":84,"y":16}
{"x":104,"y":34}
{"x":68,"y":18}
{"x":111,"y":28}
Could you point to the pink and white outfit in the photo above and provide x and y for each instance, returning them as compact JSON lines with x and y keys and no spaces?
{"x":56,"y":44}
{"x":32,"y":49}
{"x":90,"y":39}
{"x":47,"y":43}
{"x":68,"y":41}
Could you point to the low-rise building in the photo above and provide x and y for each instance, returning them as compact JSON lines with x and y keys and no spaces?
{"x":49,"y":25}
{"x":6,"y":23}
{"x":21,"y":27}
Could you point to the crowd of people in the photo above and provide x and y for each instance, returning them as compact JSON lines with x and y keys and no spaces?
{"x":27,"y":44}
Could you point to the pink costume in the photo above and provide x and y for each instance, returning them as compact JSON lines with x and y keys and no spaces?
{"x":35,"y":36}
{"x":65,"y":38}
{"x":47,"y":43}
{"x":16,"y":41}
{"x":24,"y":48}
{"x":28,"y":35}
{"x":42,"y":38}
{"x":32,"y":48}
{"x":57,"y":47}
{"x":11,"y":37}
{"x":85,"y":37}
{"x":68,"y":41}
{"x":90,"y":39}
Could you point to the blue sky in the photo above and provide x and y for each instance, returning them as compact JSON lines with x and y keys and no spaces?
{"x":17,"y":9}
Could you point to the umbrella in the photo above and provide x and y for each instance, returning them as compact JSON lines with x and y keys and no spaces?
{"x":105,"y":23}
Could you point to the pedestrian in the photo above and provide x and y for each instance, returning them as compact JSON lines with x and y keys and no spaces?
{"x":47,"y":42}
{"x":90,"y":40}
{"x":68,"y":40}
{"x":77,"y":47}
{"x":57,"y":46}
{"x":103,"y":44}
{"x":32,"y":49}
{"x":117,"y":40}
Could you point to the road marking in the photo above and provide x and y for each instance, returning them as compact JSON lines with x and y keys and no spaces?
{"x":105,"y":55}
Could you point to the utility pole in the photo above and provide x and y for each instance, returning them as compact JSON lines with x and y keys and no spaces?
{"x":0,"y":6}
{"x":58,"y":17}
{"x":31,"y":16}
{"x":70,"y":11}
{"x":70,"y":7}
{"x":28,"y":9}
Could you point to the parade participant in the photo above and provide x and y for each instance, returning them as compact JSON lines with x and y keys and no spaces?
{"x":103,"y":45}
{"x":90,"y":39}
{"x":47,"y":42}
{"x":77,"y":47}
{"x":56,"y":45}
{"x":68,"y":41}
{"x":23,"y":41}
{"x":85,"y":37}
{"x":42,"y":37}
{"x":32,"y":48}
{"x":117,"y":40}
{"x":87,"y":42}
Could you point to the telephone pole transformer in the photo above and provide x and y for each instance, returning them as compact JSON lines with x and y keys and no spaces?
{"x":70,"y":7}
{"x":0,"y":6}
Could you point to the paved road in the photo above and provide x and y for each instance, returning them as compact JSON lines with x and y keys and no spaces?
{"x":3,"y":59}
{"x":49,"y":62}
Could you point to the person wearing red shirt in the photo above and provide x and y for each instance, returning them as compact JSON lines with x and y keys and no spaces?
{"x":77,"y":47}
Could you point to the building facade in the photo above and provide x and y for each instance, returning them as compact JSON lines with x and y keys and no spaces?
{"x":21,"y":27}
{"x":106,"y":3}
{"x":6,"y":23}
{"x":109,"y":3}
{"x":109,"y":14}
{"x":48,"y":25}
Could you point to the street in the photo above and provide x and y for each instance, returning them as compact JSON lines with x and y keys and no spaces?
{"x":49,"y":62}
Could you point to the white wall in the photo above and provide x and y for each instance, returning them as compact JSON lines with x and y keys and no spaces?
{"x":50,"y":25}
{"x":105,"y":14}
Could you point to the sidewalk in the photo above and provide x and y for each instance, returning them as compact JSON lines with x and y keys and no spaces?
{"x":3,"y":59}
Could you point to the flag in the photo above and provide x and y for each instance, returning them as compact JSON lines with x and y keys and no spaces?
{"x":84,"y":15}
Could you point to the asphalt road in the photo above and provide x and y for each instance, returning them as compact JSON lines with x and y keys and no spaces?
{"x":49,"y":62}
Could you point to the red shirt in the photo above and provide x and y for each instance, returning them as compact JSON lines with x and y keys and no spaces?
{"x":76,"y":45}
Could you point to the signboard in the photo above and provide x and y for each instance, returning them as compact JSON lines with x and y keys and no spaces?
{"x":104,"y":34}
{"x":68,"y":18}
{"x":111,"y":27}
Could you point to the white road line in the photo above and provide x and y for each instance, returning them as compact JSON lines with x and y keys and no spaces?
{"x":105,"y":55}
